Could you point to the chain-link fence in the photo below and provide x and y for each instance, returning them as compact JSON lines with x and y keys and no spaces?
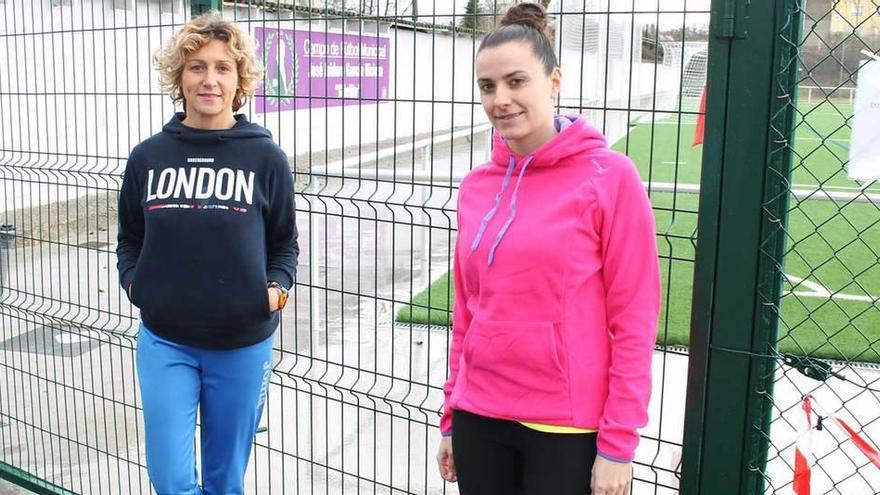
{"x":782,"y":389}
{"x":380,"y":120}
{"x":822,"y":242}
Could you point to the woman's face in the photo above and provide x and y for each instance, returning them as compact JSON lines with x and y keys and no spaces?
{"x":209,"y":82}
{"x":517,"y":94}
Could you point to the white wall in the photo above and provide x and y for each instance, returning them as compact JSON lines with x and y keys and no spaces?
{"x":78,"y":90}
{"x":431,"y":79}
{"x":91,"y":90}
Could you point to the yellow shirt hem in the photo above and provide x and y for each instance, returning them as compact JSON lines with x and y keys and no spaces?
{"x":556,"y":429}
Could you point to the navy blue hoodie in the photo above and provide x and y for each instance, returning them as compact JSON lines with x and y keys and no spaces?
{"x":206,"y":220}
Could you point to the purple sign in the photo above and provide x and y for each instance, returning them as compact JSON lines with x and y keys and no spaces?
{"x":316,"y":69}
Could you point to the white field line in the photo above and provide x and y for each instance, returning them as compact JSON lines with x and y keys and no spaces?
{"x":818,"y":291}
{"x":666,"y":122}
{"x":834,"y":188}
{"x":839,"y":140}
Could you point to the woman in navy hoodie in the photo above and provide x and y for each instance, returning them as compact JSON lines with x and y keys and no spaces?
{"x":207,"y":249}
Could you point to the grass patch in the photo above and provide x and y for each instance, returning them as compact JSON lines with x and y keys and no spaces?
{"x":431,"y":306}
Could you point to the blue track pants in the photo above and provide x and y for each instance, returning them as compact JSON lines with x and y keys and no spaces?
{"x":227,"y":387}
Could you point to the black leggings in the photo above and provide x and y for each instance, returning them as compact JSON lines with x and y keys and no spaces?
{"x":495,"y":456}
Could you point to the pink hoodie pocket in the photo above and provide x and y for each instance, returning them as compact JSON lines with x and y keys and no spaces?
{"x":515,"y":370}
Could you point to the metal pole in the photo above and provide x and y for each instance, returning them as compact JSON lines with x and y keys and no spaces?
{"x":426,"y":235}
{"x":737,"y":272}
{"x":315,"y":258}
{"x":7,"y":241}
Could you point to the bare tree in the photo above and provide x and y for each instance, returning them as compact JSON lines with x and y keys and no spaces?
{"x":392,"y":8}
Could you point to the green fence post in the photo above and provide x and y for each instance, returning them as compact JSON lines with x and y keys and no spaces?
{"x":199,"y":6}
{"x":742,"y":203}
{"x":777,"y":192}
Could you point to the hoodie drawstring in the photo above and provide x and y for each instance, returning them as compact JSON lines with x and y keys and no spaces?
{"x":486,"y":219}
{"x":512,"y":211}
{"x":494,"y":209}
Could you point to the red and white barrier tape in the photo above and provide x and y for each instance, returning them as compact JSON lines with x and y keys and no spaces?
{"x":803,"y":454}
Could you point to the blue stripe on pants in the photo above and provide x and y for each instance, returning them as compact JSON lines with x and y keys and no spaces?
{"x":230,"y":388}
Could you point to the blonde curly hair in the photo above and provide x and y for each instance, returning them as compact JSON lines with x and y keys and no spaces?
{"x":198,"y":32}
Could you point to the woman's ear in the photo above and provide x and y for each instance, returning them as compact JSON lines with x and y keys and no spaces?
{"x":555,"y":82}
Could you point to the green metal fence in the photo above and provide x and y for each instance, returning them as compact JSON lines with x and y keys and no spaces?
{"x":355,"y":392}
{"x":786,"y":294}
{"x":826,"y":243}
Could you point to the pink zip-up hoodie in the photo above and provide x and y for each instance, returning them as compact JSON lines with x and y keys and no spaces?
{"x":557,"y":290}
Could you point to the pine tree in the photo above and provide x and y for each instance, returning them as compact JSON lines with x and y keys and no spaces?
{"x":472,"y":11}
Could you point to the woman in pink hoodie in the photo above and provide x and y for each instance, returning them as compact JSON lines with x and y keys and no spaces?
{"x":557,"y":291}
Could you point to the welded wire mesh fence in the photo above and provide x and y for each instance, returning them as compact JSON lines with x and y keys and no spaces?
{"x":376,"y":107}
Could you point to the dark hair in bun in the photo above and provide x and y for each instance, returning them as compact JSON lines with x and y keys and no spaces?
{"x":526,"y":22}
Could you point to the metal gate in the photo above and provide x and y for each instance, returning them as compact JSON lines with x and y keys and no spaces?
{"x":786,"y":287}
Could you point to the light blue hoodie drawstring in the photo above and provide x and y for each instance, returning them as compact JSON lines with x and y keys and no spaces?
{"x":486,"y":219}
{"x":491,"y":213}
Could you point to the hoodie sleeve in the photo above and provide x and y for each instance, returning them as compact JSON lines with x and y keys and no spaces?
{"x":281,"y":234}
{"x":632,"y":285}
{"x":130,"y":217}
{"x":461,"y":320}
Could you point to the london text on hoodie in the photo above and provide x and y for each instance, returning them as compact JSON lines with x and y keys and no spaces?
{"x":206,"y":220}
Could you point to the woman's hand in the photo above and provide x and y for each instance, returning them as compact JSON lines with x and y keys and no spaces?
{"x":610,"y":478}
{"x":445,"y":461}
{"x":274,"y":297}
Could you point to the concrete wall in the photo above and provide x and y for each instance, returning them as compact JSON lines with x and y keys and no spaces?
{"x":79,"y":91}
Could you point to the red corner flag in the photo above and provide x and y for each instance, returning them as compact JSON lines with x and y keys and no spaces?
{"x":701,"y":120}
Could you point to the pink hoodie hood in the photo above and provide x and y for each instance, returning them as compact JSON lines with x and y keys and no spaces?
{"x":562,"y":147}
{"x":575,"y":137}
{"x":556,"y":290}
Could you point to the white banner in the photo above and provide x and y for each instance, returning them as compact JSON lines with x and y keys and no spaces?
{"x":864,"y":147}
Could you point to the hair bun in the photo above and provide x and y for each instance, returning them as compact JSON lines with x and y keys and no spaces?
{"x":530,"y":15}
{"x":526,"y":23}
